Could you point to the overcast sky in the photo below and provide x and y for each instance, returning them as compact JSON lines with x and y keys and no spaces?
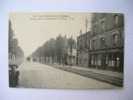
{"x":33,"y":29}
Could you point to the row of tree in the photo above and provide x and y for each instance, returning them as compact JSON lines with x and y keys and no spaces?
{"x":55,"y":49}
{"x":16,"y":54}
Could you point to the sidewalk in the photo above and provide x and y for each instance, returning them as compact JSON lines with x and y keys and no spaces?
{"x":111,"y":77}
{"x":100,"y":71}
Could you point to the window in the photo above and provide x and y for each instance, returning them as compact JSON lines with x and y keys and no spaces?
{"x":95,"y":27}
{"x":116,"y":19}
{"x":115,"y":39}
{"x":90,"y":45}
{"x":102,"y":41}
{"x":93,"y":44}
{"x":103,"y":24}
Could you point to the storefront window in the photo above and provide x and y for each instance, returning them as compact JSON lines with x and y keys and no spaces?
{"x":99,"y":60}
{"x":107,"y":59}
{"x":96,"y":60}
{"x":113,"y":63}
{"x":92,"y":60}
{"x":117,"y":61}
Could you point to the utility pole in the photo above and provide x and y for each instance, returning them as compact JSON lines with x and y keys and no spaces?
{"x":80,"y":32}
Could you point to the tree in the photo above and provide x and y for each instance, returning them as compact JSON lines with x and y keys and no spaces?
{"x":71,"y":46}
{"x":61,"y":48}
{"x":15,"y":52}
{"x":56,"y":49}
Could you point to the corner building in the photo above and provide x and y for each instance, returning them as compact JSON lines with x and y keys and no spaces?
{"x":107,"y":42}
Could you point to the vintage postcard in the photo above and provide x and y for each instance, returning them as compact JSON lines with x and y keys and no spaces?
{"x":62,"y":50}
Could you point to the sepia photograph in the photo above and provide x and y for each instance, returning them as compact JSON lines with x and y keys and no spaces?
{"x":66,"y":50}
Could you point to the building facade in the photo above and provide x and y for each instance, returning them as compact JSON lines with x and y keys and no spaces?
{"x":107,"y":42}
{"x":103,"y":46}
{"x":83,"y":49}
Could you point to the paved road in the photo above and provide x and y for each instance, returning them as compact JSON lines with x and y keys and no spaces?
{"x":43,"y":76}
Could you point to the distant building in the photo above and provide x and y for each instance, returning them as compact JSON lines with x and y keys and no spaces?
{"x":71,"y":56}
{"x":71,"y":52}
{"x":107,"y":42}
{"x":82,"y":49}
